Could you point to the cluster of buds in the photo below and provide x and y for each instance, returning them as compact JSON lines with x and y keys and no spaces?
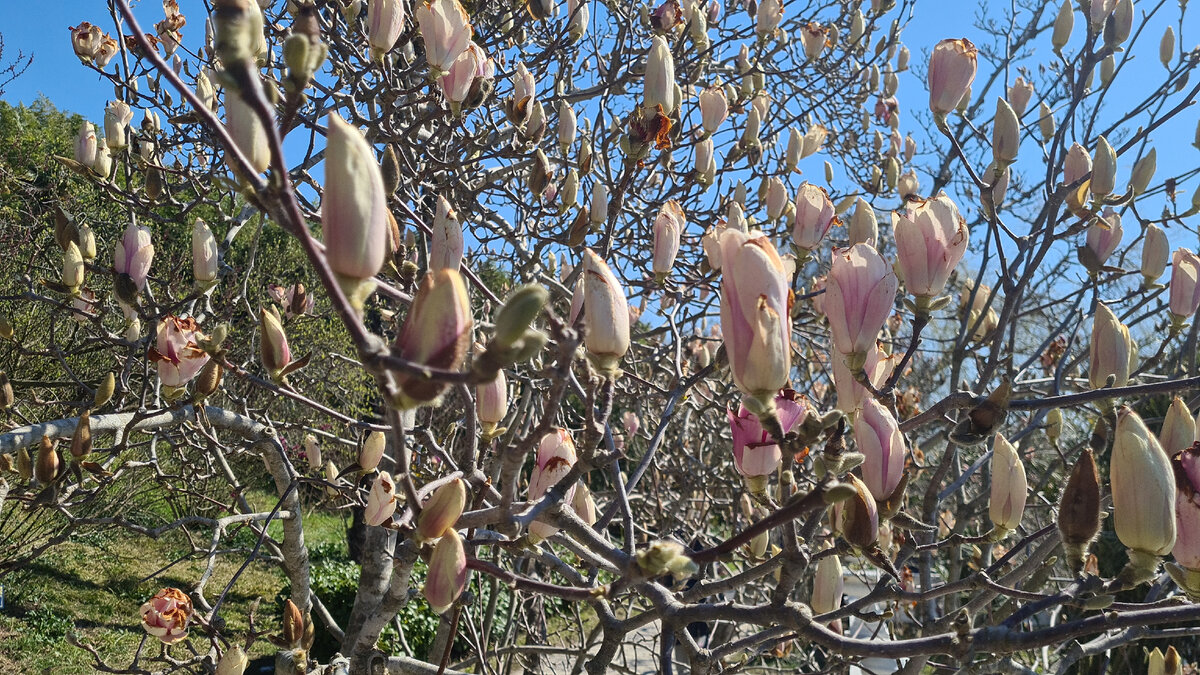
{"x":294,"y":300}
{"x":93,"y":46}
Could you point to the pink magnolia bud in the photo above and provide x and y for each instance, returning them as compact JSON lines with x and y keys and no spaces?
{"x":1185,"y":283}
{"x":583,"y":504}
{"x":447,"y":575}
{"x":381,"y":501}
{"x":859,"y":293}
{"x":660,"y":77}
{"x":668,"y":226}
{"x":755,"y":311}
{"x":606,"y":314}
{"x":631,"y":422}
{"x":555,"y":457}
{"x":814,"y":216}
{"x":1006,"y":504}
{"x":133,"y":255}
{"x":1077,"y":164}
{"x":204,"y":252}
{"x":385,"y":22}
{"x":247,"y":132}
{"x":1104,"y":236}
{"x":1142,"y":488}
{"x":175,"y":352}
{"x":372,"y":451}
{"x":756,"y":453}
{"x":446,"y":240}
{"x":850,"y":394}
{"x":456,"y":83}
{"x":446,"y":30}
{"x":1178,"y":430}
{"x":767,"y":18}
{"x":1019,"y":94}
{"x":951,"y":72}
{"x":85,"y":144}
{"x":1187,"y":509}
{"x":907,"y":185}
{"x":117,"y":117}
{"x":714,"y":108}
{"x":354,"y":215}
{"x":1111,"y":349}
{"x":930,"y":241}
{"x":166,"y":615}
{"x":828,"y":585}
{"x":312,"y":452}
{"x":273,"y":344}
{"x":436,"y":333}
{"x":491,"y":400}
{"x":1155,"y":253}
{"x":443,"y":509}
{"x":879,"y":439}
{"x":813,"y":37}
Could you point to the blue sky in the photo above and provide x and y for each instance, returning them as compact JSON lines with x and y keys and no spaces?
{"x":56,"y":73}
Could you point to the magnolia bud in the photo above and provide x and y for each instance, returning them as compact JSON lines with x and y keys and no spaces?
{"x":1184,"y":297}
{"x":381,"y":501}
{"x":1143,"y":171}
{"x":1006,"y":134}
{"x":446,"y":238}
{"x":951,"y":70}
{"x":372,"y":451}
{"x":273,"y":344}
{"x":87,"y":242}
{"x":436,"y":333}
{"x":828,"y":585}
{"x":518,"y":313}
{"x":1110,"y":350}
{"x":1063,"y":24}
{"x":247,"y":132}
{"x":860,"y":516}
{"x":447,"y":576}
{"x":81,"y":440}
{"x":1155,"y":253}
{"x":312,"y":452}
{"x":73,"y":267}
{"x":491,"y":400}
{"x":1009,"y":485}
{"x":864,"y":227}
{"x":1104,"y":170}
{"x":598,"y":209}
{"x":660,"y":76}
{"x":442,"y":510}
{"x":6,"y":392}
{"x":1046,"y":122}
{"x":204,"y":253}
{"x":24,"y":464}
{"x":606,"y":317}
{"x":1143,"y":485}
{"x":1166,"y":47}
{"x":233,"y":662}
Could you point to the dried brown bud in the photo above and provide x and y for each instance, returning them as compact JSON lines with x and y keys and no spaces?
{"x":6,"y":392}
{"x":46,"y":468}
{"x":81,"y":440}
{"x":65,"y":231}
{"x":209,"y":379}
{"x":1079,"y":509}
{"x":391,"y":170}
{"x":293,"y":624}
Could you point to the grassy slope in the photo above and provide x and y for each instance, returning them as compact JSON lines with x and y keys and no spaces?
{"x":93,"y":586}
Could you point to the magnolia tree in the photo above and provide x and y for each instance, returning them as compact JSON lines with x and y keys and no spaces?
{"x":675,"y":336}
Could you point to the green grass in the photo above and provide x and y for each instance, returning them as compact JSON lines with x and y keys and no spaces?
{"x":92,"y":586}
